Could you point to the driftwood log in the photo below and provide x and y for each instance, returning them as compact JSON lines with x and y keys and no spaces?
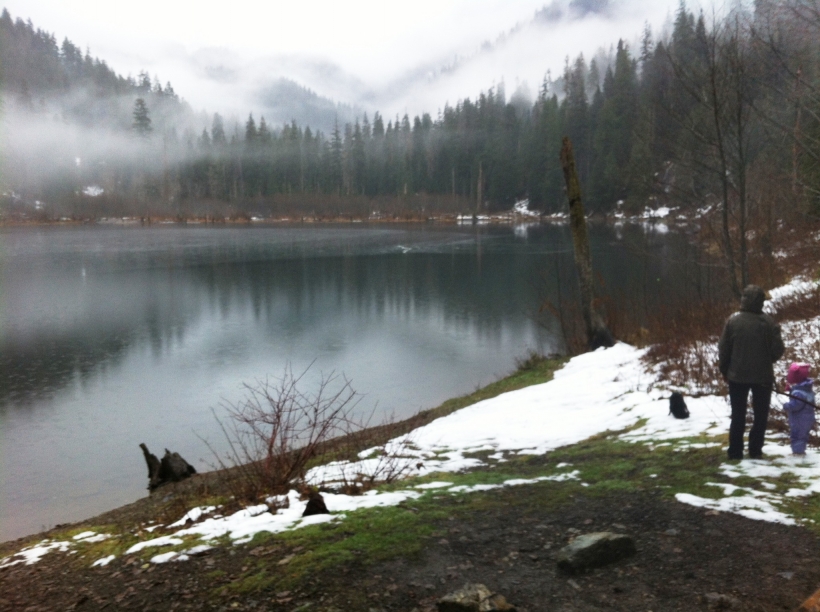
{"x":172,"y":468}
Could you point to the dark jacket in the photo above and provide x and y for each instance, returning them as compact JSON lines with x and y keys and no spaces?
{"x":750,"y":343}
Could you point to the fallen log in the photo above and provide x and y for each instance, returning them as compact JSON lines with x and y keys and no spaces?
{"x":172,"y":468}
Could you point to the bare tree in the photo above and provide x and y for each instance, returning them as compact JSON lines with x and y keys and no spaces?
{"x":788,"y":34}
{"x":721,"y":88}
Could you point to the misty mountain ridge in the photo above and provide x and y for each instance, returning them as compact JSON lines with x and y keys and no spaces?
{"x":313,"y":92}
{"x":576,"y":9}
{"x":447,"y":80}
{"x":318,"y":92}
{"x":285,"y":100}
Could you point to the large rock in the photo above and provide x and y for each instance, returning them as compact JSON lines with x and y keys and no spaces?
{"x":473,"y":598}
{"x":594,"y":550}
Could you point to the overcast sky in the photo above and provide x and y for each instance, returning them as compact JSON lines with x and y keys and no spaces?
{"x":216,"y":53}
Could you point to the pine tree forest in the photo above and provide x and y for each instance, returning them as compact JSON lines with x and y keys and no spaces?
{"x":722,"y":113}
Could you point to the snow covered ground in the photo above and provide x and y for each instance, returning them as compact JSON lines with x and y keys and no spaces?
{"x":607,"y":390}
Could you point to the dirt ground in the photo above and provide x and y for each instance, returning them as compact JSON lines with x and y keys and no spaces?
{"x":686,"y":558}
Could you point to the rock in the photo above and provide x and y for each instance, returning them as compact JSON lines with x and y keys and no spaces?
{"x":473,"y":598}
{"x":315,"y":505}
{"x":718,"y":601}
{"x":594,"y":550}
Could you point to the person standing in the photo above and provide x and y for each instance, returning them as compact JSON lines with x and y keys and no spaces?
{"x":748,"y":347}
{"x":800,"y":406}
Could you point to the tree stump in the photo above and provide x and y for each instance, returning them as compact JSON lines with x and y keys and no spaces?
{"x":172,"y":468}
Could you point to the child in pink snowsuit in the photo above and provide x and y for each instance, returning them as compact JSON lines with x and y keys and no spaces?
{"x":801,"y":413}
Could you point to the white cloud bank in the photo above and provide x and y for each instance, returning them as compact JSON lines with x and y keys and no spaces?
{"x":376,"y":55}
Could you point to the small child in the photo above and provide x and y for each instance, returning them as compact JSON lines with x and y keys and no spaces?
{"x":799,"y":407}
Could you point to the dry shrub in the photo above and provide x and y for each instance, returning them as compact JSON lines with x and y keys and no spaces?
{"x":801,"y":336}
{"x":385,"y":464}
{"x":532,"y":360}
{"x":798,"y":253}
{"x":186,"y":495}
{"x":681,"y":339}
{"x":684,"y":345}
{"x":277,"y":429}
{"x":278,"y":432}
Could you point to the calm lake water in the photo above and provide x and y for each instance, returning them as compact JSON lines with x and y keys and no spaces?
{"x":114,"y":336}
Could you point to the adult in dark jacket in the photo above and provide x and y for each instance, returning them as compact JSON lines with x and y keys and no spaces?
{"x":748,"y":348}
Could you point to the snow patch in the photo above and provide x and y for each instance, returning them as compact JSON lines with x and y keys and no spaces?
{"x":104,"y":561}
{"x":93,"y":191}
{"x":161,"y":541}
{"x":33,"y":554}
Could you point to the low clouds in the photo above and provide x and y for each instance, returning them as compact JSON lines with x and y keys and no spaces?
{"x":364,"y":55}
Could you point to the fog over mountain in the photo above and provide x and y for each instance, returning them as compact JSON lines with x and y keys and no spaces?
{"x":520,"y":57}
{"x":318,"y":63}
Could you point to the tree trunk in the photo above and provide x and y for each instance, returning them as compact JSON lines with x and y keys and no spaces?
{"x":480,"y":189}
{"x":597,"y":333}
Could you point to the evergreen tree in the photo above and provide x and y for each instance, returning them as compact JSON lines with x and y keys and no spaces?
{"x":575,"y":110}
{"x":251,"y":132}
{"x":613,"y":137}
{"x":357,"y":159}
{"x":218,"y":131}
{"x":142,"y":120}
{"x":335,"y":155}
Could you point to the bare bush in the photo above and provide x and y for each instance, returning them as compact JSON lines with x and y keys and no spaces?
{"x":385,"y":464}
{"x":278,"y":429}
{"x":280,"y":437}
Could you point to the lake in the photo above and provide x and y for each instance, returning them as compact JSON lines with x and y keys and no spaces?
{"x":112,"y":336}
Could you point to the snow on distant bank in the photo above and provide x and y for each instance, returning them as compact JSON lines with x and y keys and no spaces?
{"x":656,"y":213}
{"x":522,"y":207}
{"x":779,"y":296}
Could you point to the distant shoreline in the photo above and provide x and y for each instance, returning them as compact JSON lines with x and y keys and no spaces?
{"x":662,"y":216}
{"x":447,"y":219}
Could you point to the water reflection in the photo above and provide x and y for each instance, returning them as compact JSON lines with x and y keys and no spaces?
{"x":58,"y":323}
{"x":111,"y":337}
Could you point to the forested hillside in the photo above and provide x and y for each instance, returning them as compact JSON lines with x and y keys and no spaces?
{"x":721,"y":112}
{"x":39,"y":76}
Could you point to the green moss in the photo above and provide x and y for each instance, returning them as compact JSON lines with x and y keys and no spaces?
{"x":371,"y":536}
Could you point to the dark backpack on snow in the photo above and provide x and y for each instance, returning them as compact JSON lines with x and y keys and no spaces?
{"x":677,"y":407}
